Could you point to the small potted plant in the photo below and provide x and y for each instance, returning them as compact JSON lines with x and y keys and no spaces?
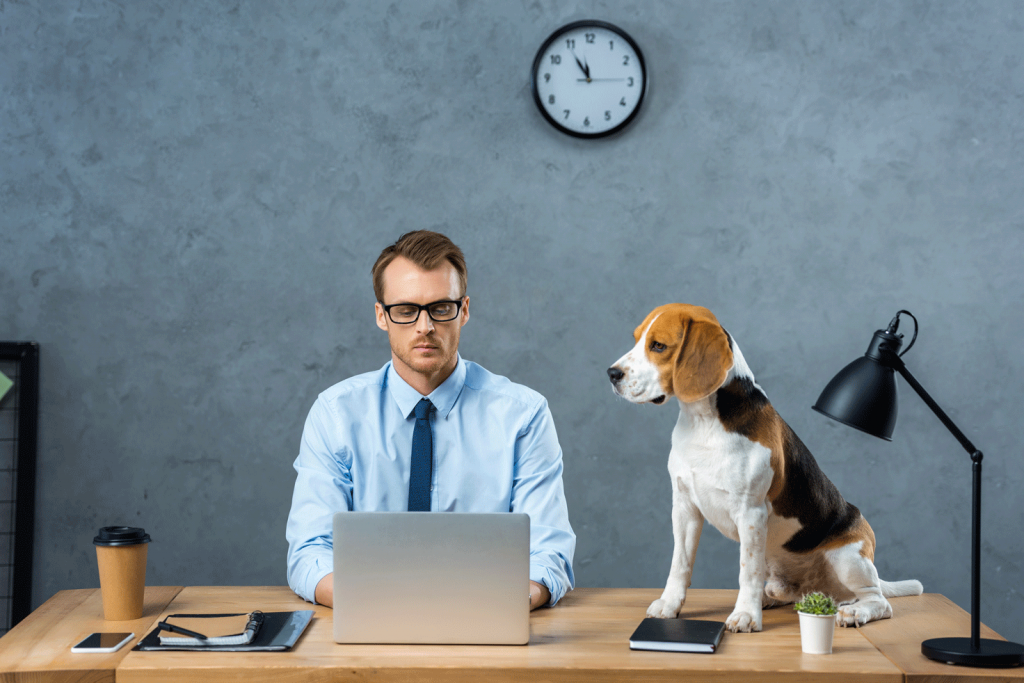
{"x":817,"y":623}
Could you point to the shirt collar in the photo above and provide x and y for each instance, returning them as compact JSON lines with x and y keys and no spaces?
{"x":443,"y":397}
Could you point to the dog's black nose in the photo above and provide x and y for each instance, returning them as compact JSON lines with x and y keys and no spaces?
{"x":614,"y":374}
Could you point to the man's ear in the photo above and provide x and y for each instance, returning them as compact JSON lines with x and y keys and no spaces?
{"x":465,"y":312}
{"x":703,"y":362}
{"x":382,"y":322}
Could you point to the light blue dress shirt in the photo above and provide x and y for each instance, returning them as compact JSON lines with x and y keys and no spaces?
{"x":495,"y":450}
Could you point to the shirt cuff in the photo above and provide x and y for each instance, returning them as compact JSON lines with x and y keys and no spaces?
{"x":305,"y":587}
{"x":316,"y":577}
{"x":546,"y":577}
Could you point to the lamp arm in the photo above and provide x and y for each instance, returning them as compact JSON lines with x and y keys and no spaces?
{"x":897,"y":363}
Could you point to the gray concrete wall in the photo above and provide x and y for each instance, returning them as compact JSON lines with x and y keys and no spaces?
{"x":192,"y":195}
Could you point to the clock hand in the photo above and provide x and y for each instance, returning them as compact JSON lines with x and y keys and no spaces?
{"x":583,"y":68}
{"x":588,"y":80}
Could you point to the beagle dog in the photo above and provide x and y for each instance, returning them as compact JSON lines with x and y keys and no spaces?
{"x":737,"y":464}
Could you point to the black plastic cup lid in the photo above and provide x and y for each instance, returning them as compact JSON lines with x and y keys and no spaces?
{"x":121,"y":535}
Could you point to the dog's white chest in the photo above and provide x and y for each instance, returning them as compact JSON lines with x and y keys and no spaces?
{"x":715,"y":505}
{"x":723,"y":473}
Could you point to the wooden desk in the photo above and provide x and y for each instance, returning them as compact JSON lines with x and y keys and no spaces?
{"x":39,"y":648}
{"x":585,"y":638}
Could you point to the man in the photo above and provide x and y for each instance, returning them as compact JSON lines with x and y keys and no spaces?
{"x":492,"y":444}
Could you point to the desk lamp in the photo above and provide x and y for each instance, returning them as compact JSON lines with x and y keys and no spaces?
{"x":863,"y":396}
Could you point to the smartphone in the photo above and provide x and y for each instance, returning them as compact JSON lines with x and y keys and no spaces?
{"x":103,"y":642}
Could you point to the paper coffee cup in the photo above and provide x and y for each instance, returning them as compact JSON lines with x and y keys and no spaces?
{"x":121,"y":557}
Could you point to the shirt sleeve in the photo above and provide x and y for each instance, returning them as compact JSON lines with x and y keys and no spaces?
{"x":537,"y":490}
{"x":323,"y":486}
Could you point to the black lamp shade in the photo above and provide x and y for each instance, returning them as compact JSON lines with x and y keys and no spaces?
{"x":862,"y":396}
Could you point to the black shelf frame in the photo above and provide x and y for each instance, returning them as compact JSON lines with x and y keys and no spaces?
{"x":26,"y":356}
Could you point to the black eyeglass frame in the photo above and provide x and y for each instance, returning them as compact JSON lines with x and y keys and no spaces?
{"x":425,"y":307}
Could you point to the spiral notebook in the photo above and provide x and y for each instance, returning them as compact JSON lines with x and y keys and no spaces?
{"x":242,"y":632}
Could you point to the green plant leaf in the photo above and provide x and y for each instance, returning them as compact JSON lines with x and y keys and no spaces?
{"x":816,"y":603}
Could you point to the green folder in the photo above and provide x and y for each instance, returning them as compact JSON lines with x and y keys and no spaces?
{"x":5,"y":385}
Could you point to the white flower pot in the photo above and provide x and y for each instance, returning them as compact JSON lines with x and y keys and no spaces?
{"x":816,"y":633}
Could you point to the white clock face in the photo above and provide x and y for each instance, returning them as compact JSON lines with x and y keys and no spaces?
{"x":589,"y":79}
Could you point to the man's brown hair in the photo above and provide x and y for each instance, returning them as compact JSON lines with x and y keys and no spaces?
{"x":426,"y":249}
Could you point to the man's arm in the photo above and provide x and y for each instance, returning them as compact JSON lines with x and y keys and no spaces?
{"x":323,"y":486}
{"x":537,"y":490}
{"x":325,"y":591}
{"x":539,"y":595}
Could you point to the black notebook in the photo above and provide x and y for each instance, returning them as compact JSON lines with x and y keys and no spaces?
{"x":677,"y":635}
{"x":278,"y":631}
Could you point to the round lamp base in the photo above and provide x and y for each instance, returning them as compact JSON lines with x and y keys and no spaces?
{"x":992,"y":653}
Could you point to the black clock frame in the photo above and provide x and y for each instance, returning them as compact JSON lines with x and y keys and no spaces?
{"x":554,"y":36}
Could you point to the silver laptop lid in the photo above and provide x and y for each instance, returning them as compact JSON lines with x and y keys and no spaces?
{"x":431,"y":577}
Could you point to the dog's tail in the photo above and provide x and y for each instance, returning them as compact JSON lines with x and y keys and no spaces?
{"x":898,"y":589}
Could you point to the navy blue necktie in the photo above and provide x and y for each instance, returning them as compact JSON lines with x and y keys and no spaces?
{"x":422,"y":459}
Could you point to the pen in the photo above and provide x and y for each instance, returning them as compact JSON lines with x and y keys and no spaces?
{"x":184,"y":631}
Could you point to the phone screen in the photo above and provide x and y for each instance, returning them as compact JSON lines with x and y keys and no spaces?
{"x":103,"y":640}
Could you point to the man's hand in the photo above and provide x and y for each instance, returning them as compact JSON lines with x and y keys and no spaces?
{"x":539,"y":595}
{"x":324,"y":593}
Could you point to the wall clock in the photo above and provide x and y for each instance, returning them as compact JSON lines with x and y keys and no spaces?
{"x":589,"y":79}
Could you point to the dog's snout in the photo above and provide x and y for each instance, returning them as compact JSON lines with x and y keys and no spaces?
{"x":614,"y":374}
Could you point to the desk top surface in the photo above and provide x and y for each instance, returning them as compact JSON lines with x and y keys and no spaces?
{"x":585,"y":637}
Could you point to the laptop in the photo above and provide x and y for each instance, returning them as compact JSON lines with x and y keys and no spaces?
{"x":432,"y":577}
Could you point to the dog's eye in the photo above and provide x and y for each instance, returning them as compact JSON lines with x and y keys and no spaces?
{"x":657,"y":347}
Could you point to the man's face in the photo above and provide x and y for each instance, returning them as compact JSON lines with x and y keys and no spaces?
{"x":426,"y":347}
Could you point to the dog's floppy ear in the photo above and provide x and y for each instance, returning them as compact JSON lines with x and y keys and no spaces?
{"x":703,"y":360}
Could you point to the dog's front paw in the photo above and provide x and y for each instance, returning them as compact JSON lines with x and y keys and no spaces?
{"x":743,"y":622}
{"x":665,"y":609}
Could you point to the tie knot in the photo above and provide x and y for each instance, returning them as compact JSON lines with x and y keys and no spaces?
{"x":423,"y":409}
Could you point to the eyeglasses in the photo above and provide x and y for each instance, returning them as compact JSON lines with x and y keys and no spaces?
{"x":439,"y":311}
